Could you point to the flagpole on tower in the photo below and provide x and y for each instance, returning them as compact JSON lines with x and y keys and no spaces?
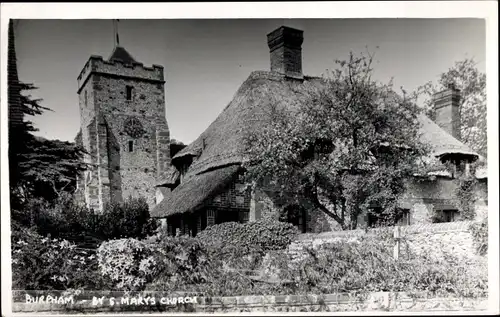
{"x":115,"y":31}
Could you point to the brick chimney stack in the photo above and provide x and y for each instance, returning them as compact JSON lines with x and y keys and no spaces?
{"x":285,"y":45}
{"x":446,"y":105}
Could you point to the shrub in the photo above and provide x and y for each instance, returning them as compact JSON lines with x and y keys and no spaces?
{"x":217,"y":261}
{"x":183,"y":262}
{"x":128,"y":220}
{"x":40,"y":263}
{"x":63,"y":218}
{"x":129,"y":263}
{"x":367,"y":265}
{"x":66,"y":219}
{"x":479,"y":231}
{"x":187,"y":264}
{"x":257,"y":237}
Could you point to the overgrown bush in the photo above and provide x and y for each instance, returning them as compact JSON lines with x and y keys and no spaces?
{"x":183,"y":263}
{"x":129,"y":263}
{"x":63,"y":218}
{"x":222,"y":259}
{"x":127,"y":220}
{"x":479,"y":231}
{"x":359,"y":265}
{"x":183,"y":258}
{"x":257,"y":237}
{"x":367,"y":265}
{"x":66,"y":219}
{"x":188,"y":264}
{"x":40,"y":263}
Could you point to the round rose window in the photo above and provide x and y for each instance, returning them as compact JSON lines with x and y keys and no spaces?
{"x":133,"y":127}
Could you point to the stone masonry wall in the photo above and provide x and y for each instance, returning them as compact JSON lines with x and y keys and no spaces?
{"x":341,"y":302}
{"x":436,"y":240}
{"x":123,"y":173}
{"x":422,"y":199}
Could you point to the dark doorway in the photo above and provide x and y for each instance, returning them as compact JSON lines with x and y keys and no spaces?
{"x":297,"y":216}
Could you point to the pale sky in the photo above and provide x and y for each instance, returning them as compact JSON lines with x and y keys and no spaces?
{"x":207,"y":60}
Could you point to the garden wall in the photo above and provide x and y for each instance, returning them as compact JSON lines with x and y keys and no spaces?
{"x":382,"y":301}
{"x":436,"y":239}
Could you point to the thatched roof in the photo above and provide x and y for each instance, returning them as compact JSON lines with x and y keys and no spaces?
{"x":442,"y":142}
{"x":168,"y":177}
{"x":222,"y":143}
{"x":192,"y":193}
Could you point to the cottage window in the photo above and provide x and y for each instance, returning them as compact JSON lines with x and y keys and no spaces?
{"x":467,"y":170}
{"x":244,"y":216}
{"x":184,"y":167}
{"x":461,"y":167}
{"x":449,"y":215}
{"x":131,"y":146}
{"x":198,"y":223}
{"x":129,"y":90}
{"x":170,"y":229}
{"x":186,"y":230}
{"x":210,"y":218}
{"x":404,"y":218}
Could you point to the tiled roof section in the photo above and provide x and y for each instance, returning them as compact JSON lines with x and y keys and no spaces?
{"x":121,"y":54}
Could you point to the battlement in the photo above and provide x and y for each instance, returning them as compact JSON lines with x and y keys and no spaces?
{"x":117,"y":68}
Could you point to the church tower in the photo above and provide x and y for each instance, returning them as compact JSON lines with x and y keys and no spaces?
{"x":123,"y":128}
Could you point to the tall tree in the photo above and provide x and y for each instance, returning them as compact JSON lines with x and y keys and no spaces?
{"x":348,"y":148}
{"x":466,"y":77}
{"x":37,"y":167}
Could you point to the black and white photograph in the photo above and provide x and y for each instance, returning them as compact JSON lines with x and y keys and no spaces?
{"x":237,"y":163}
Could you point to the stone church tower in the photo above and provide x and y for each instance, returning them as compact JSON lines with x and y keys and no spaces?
{"x":123,"y":127}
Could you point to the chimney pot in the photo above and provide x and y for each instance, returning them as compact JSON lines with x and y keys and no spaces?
{"x":451,"y":86}
{"x":285,"y":46}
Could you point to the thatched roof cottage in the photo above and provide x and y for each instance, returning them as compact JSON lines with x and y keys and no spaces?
{"x":209,"y":188}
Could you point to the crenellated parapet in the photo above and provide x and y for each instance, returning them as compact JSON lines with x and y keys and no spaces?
{"x":117,"y":68}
